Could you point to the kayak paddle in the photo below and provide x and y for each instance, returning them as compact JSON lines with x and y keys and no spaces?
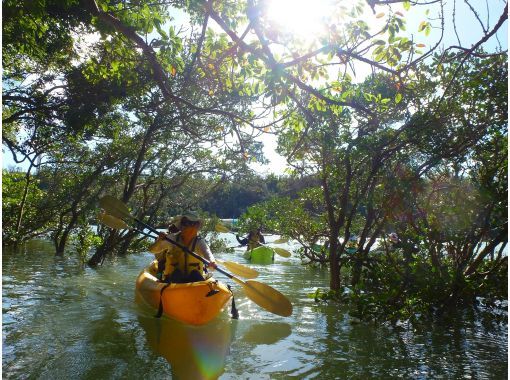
{"x":263,"y":295}
{"x":221,"y":228}
{"x":280,"y":251}
{"x":111,"y":221}
{"x":118,"y":224}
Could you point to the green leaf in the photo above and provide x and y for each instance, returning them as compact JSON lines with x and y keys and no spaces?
{"x":378,"y":50}
{"x":407,"y":5}
{"x":398,"y":98}
{"x":368,"y":97}
{"x":379,"y":57}
{"x":160,"y":30}
{"x":427,"y":29}
{"x":115,"y":66}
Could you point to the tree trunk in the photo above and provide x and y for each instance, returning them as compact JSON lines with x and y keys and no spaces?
{"x":334,"y":263}
{"x":60,"y":245}
{"x":478,"y":260}
{"x":97,"y":257}
{"x":122,"y":250}
{"x":23,"y":199}
{"x":101,"y":251}
{"x":356,"y":270}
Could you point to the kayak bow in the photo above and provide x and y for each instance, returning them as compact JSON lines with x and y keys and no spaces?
{"x":260,"y":255}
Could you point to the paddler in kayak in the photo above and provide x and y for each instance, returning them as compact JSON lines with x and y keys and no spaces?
{"x":253,"y":239}
{"x":179,"y":266}
{"x":352,"y":244}
{"x":393,"y":238}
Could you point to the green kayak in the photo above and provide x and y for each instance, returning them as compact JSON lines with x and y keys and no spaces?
{"x":260,"y":255}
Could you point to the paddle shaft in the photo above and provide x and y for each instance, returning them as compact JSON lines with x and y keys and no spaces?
{"x":263,"y":295}
{"x":185,"y":249}
{"x":227,"y":264}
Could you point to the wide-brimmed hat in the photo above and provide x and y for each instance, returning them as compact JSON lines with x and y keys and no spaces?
{"x":189,"y":216}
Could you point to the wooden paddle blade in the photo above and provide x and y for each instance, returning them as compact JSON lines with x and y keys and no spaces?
{"x":266,"y":297}
{"x":239,"y":269}
{"x":112,"y":222}
{"x":115,"y":207}
{"x":282,"y":252}
{"x":221,"y":228}
{"x":281,"y":241}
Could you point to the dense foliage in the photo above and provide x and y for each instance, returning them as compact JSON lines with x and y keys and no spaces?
{"x":161,"y":104}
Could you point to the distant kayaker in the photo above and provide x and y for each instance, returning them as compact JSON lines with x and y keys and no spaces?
{"x":393,"y":238}
{"x":179,"y":266}
{"x":394,"y":241}
{"x":352,"y":244}
{"x":253,"y":239}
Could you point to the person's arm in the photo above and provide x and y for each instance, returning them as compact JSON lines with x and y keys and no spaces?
{"x":244,"y":241}
{"x":206,"y":253}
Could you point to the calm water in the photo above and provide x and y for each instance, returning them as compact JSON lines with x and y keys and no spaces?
{"x":62,"y":320}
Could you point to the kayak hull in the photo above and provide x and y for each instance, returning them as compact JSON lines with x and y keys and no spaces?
{"x":260,"y":255}
{"x":187,"y":303}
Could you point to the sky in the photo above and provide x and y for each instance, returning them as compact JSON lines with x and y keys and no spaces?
{"x":304,"y":18}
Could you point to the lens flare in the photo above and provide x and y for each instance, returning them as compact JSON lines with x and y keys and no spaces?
{"x":302,"y":18}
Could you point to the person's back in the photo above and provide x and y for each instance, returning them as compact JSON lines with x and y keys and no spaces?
{"x":255,"y":238}
{"x":159,"y":248}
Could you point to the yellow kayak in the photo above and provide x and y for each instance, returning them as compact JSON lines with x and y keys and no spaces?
{"x":194,"y":303}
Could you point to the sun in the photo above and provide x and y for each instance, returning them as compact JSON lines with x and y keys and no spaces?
{"x":304,"y":19}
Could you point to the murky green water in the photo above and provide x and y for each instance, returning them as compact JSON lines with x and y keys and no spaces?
{"x":66,"y":321}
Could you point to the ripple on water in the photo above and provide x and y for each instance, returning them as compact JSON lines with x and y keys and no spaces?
{"x":63,"y":320}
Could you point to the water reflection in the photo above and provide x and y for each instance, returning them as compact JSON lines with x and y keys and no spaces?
{"x":194,"y":353}
{"x":63,"y":320}
{"x":267,"y":333}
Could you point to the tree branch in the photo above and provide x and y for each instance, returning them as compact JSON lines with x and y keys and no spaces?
{"x":278,"y":67}
{"x":469,"y":52}
{"x":159,"y":73}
